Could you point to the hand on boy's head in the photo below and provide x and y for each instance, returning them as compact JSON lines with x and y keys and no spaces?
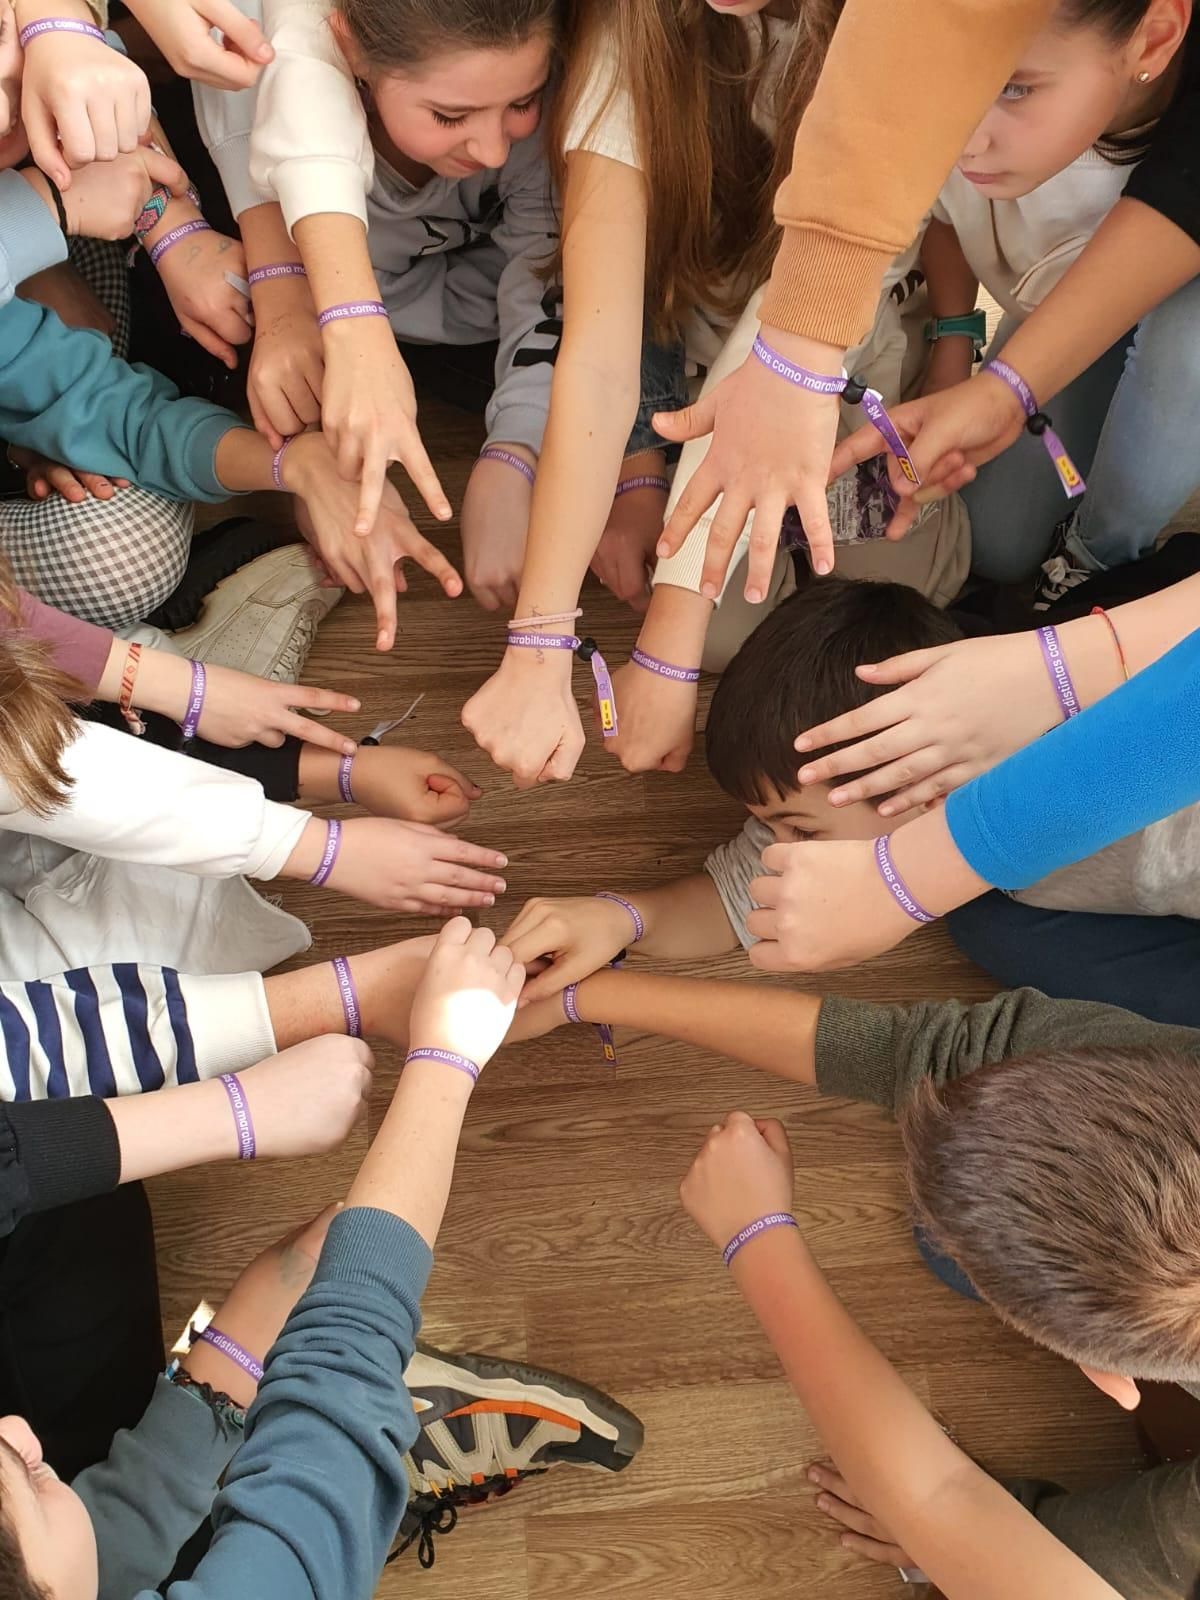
{"x":468,"y":993}
{"x":743,"y":1171}
{"x":826,"y":908}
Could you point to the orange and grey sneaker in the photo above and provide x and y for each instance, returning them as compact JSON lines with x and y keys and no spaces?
{"x":487,"y":1425}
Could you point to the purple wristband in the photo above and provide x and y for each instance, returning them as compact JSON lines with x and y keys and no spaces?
{"x":176,"y":236}
{"x":333,"y":843}
{"x":664,"y":669}
{"x":570,"y":1007}
{"x":773,"y":1219}
{"x":851,"y":390}
{"x":448,"y":1058}
{"x":350,"y":309}
{"x":277,"y":463}
{"x":344,"y":789}
{"x":234,"y":1351}
{"x":604,"y":1031}
{"x":896,"y":886}
{"x":1060,"y":677}
{"x":494,"y":453}
{"x":247,"y":1147}
{"x":586,"y":651}
{"x":35,"y":30}
{"x":1039,"y":425}
{"x":190,"y":725}
{"x":639,"y":927}
{"x":650,"y":481}
{"x":349,"y":994}
{"x":277,"y":269}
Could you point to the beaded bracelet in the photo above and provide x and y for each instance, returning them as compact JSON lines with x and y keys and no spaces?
{"x":1039,"y":425}
{"x":587,"y":651}
{"x":351,"y":1009}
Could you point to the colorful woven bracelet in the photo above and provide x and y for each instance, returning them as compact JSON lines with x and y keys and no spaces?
{"x":133,"y":720}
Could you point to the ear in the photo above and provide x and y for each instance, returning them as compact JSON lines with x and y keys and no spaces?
{"x":1123,"y":1390}
{"x":345,"y":43}
{"x":1161,"y":34}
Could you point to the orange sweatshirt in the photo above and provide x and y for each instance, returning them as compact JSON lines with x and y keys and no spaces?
{"x":905,"y":84}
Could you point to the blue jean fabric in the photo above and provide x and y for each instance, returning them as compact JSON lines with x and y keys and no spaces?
{"x":664,"y":388}
{"x":1130,"y":423}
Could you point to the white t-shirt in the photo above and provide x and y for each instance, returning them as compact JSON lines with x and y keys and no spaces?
{"x":1019,"y":249}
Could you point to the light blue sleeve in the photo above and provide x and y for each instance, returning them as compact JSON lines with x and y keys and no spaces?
{"x":1130,"y":760}
{"x":30,"y":239}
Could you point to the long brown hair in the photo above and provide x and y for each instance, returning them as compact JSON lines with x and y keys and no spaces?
{"x":401,"y":35}
{"x":692,"y":77}
{"x":36,"y":723}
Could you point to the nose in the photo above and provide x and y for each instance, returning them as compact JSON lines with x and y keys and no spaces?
{"x":978,"y":143}
{"x":491,"y":145}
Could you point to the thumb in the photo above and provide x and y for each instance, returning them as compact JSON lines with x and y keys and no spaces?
{"x":241,"y":34}
{"x":864,"y":444}
{"x":693,"y":422}
{"x":902,"y":669}
{"x":774,"y":1135}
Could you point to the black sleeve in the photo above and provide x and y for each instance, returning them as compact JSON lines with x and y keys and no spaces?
{"x":53,"y":1152}
{"x":1168,"y":178}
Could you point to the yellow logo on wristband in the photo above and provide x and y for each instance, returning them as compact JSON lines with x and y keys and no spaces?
{"x":607,"y":721}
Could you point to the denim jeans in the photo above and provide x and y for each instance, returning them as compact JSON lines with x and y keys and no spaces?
{"x":664,"y":388}
{"x":1129,"y":423}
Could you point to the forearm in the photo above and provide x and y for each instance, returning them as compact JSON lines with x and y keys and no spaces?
{"x":333,"y":248}
{"x":676,"y":623}
{"x":307,"y":1003}
{"x":684,"y":921}
{"x":169,"y":1130}
{"x":1136,"y":259}
{"x":410,"y":1164}
{"x":966,"y":1531}
{"x":950,"y":284}
{"x":267,"y":243}
{"x":773,"y":1029}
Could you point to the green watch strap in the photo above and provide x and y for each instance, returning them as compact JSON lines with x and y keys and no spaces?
{"x":973,"y":327}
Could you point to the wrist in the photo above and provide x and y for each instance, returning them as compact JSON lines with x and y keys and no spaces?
{"x":175,"y":214}
{"x":1092,"y":657}
{"x":164,"y":683}
{"x":762,"y":1259}
{"x":298,"y":462}
{"x":675,"y":626}
{"x":306,"y":856}
{"x":813,"y":354}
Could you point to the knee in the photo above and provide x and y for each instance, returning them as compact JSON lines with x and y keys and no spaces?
{"x":1167,"y":341}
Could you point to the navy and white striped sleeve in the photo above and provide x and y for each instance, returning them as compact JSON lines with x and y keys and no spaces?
{"x":126,"y":1029}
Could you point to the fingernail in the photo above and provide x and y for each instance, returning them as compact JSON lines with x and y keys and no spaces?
{"x":823,"y":1502}
{"x":887,"y":811}
{"x":501,"y":861}
{"x":348,"y":749}
{"x":806,"y":774}
{"x":661,"y":548}
{"x":824,"y":566}
{"x":814,"y":1475}
{"x":355,"y":705}
{"x":500,"y":886}
{"x":444,"y":511}
{"x":803,"y":743}
{"x":489,"y":899}
{"x":836,"y":797}
{"x":709,"y":591}
{"x":754,"y":596}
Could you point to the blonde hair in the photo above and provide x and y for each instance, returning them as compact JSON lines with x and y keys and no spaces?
{"x":693,"y":78}
{"x":36,"y":722}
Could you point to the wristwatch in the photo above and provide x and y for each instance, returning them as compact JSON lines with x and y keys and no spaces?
{"x":973,"y":327}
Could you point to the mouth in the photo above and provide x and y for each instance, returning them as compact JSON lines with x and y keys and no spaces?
{"x":982,"y":179}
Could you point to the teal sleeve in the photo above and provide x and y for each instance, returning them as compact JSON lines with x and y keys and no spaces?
{"x":314,"y":1497}
{"x":30,"y":239}
{"x":1128,"y":761}
{"x":64,"y":394}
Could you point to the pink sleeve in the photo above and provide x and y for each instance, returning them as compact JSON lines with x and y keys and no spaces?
{"x":80,"y":648}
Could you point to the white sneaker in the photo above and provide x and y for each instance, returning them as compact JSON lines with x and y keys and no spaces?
{"x":263,"y":618}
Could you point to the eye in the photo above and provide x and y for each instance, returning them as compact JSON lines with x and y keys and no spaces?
{"x":799,"y":834}
{"x":448,"y":122}
{"x":524,"y":107}
{"x":1012,"y":92}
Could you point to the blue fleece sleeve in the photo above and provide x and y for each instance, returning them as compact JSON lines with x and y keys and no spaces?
{"x":1127,"y":762}
{"x":314,"y":1497}
{"x":30,"y":239}
{"x":64,"y":393}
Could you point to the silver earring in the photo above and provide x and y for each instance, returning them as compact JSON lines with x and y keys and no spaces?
{"x":1143,"y":77}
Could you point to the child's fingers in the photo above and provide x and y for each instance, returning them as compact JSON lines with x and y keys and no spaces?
{"x":928,"y":792}
{"x":315,"y":734}
{"x":67,"y":484}
{"x":383,"y":597}
{"x":370,"y":495}
{"x":429,"y":557}
{"x":415,"y":461}
{"x":208,"y":339}
{"x":888,"y":1555}
{"x":774,"y":1135}
{"x":703,"y":488}
{"x":444,"y":776}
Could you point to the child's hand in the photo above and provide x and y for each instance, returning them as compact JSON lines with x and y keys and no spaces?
{"x":307,"y":1100}
{"x":581,"y":935}
{"x":241,"y":709}
{"x":826,"y":907}
{"x":743,"y":1172}
{"x":287,"y":365}
{"x":624,"y":557}
{"x":44,"y":477}
{"x":495,"y":524}
{"x":80,"y":102}
{"x":210,"y":310}
{"x":182,"y":30}
{"x":395,"y":781}
{"x":526,"y":718}
{"x":656,"y":721}
{"x":865,"y":1536}
{"x":369,"y":565}
{"x":415,"y":869}
{"x":466,"y":999}
{"x":369,"y":414}
{"x":107,"y":197}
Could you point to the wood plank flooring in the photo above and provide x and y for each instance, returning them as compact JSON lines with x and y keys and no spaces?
{"x":565,"y":1243}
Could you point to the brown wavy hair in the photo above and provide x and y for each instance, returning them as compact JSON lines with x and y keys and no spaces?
{"x":711,"y":173}
{"x":36,"y":722}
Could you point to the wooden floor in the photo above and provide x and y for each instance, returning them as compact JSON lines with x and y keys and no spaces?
{"x":565,"y":1243}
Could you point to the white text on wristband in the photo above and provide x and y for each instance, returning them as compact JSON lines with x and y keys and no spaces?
{"x":773,"y":1219}
{"x":349,"y":995}
{"x":329,"y":855}
{"x":1059,"y":674}
{"x":232,"y":1350}
{"x":586,"y":650}
{"x":664,"y":669}
{"x":349,"y":310}
{"x":195,"y":706}
{"x":177,"y":236}
{"x":45,"y":25}
{"x":447,"y":1058}
{"x":242,"y":1120}
{"x":896,"y":885}
{"x":277,"y":269}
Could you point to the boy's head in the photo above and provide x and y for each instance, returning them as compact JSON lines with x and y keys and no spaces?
{"x":1067,"y":1187}
{"x":796,"y":670}
{"x":47,"y":1546}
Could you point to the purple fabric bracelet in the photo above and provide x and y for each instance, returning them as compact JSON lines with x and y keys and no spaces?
{"x":35,"y":30}
{"x":177,"y":236}
{"x":277,"y":269}
{"x":639,"y":927}
{"x":344,"y":789}
{"x":508,"y":459}
{"x":195,"y":706}
{"x":333,"y":843}
{"x":664,"y":669}
{"x":896,"y":886}
{"x":586,"y":651}
{"x":851,"y":390}
{"x":277,"y":463}
{"x":1060,"y":677}
{"x":1040,"y":426}
{"x":448,"y":1058}
{"x":247,"y":1147}
{"x":603,"y":1030}
{"x":234,"y":1351}
{"x":350,"y":309}
{"x":570,"y":1008}
{"x":773,"y":1219}
{"x":650,"y":481}
{"x":350,"y":1006}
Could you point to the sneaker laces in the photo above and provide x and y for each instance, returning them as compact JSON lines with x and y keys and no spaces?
{"x":291,"y":659}
{"x":434,"y":1513}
